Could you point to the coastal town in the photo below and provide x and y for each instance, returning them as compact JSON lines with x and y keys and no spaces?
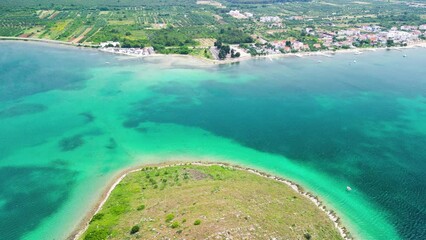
{"x":362,"y":36}
{"x":366,"y":36}
{"x":212,"y":119}
{"x":220,"y":30}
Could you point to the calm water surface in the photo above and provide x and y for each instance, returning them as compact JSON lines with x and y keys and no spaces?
{"x":70,"y":119}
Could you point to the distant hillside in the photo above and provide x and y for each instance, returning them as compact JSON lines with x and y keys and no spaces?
{"x":120,"y":3}
{"x":91,"y":3}
{"x":263,"y":1}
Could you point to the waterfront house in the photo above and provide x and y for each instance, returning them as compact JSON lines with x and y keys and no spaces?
{"x":109,"y":44}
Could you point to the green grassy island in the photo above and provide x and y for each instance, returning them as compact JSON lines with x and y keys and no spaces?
{"x":206,"y":202}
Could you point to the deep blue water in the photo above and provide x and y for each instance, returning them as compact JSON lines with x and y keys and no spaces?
{"x":363,"y":121}
{"x":68,"y":118}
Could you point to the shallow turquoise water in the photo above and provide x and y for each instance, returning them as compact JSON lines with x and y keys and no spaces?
{"x":71,"y":119}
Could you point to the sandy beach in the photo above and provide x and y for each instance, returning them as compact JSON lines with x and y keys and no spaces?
{"x":76,"y":234}
{"x":327,"y":53}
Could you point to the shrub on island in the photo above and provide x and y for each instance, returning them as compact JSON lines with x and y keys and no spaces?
{"x":307,"y":236}
{"x":170,"y":217}
{"x":141,"y":207}
{"x":98,"y":234}
{"x":134,"y":229}
{"x":175,"y":225}
{"x":97,"y":216}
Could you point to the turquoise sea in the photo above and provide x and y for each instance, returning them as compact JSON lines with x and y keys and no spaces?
{"x":71,"y":119}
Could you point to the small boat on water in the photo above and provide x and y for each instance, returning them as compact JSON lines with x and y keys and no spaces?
{"x":354,"y":61}
{"x":405,"y":55}
{"x":348,"y":188}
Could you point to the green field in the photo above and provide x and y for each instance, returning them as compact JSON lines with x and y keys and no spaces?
{"x":174,"y":26}
{"x":196,"y":202}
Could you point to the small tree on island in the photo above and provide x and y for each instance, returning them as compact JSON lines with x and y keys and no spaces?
{"x":170,"y":217}
{"x":175,"y":225}
{"x":307,"y":236}
{"x":134,"y":229}
{"x":141,"y":207}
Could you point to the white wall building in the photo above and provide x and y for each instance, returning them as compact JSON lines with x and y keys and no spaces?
{"x":270,"y":19}
{"x":109,"y":43}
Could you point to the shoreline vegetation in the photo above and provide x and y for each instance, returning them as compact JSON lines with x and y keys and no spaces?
{"x":332,"y":215}
{"x":326,"y":53}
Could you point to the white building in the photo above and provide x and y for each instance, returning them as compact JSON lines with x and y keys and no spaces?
{"x":297,"y":45}
{"x":408,"y":28}
{"x":249,"y":15}
{"x":401,"y":36}
{"x":270,"y":19}
{"x":376,"y":28}
{"x":237,"y":14}
{"x":349,"y":32}
{"x":109,"y":44}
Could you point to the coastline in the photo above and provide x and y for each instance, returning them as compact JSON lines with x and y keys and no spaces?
{"x":42,"y":40}
{"x":328,"y":62}
{"x":326,"y":53}
{"x":82,"y":227}
{"x":326,"y":198}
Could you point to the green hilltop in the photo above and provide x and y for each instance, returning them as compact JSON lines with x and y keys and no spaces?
{"x":197,"y":202}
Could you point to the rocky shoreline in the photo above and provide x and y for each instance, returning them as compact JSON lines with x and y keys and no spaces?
{"x":344,"y":232}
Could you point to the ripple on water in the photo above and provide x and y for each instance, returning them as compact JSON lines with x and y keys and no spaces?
{"x":22,"y":109}
{"x":30,"y":194}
